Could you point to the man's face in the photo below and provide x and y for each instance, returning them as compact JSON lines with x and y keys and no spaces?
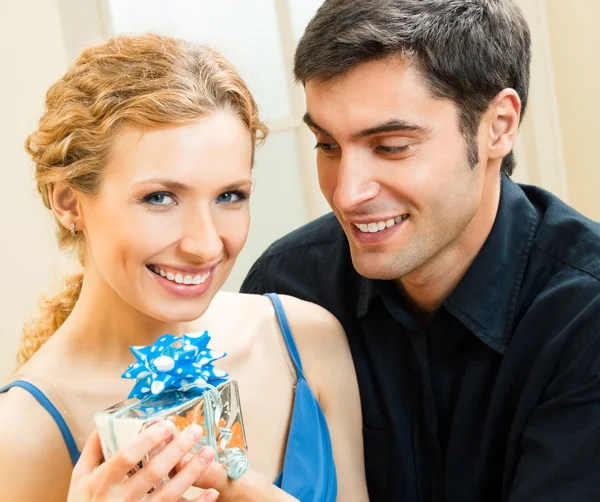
{"x":392,"y":164}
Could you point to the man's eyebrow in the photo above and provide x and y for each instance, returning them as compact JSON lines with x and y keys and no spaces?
{"x":309,"y":121}
{"x":394,"y":125}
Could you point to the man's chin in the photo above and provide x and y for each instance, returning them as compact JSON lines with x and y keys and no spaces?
{"x":383,"y":265}
{"x":371,"y":268}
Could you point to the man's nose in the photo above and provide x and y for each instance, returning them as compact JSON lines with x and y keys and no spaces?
{"x":355,"y":183}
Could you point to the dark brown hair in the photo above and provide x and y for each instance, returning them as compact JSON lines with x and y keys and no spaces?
{"x":468,"y":50}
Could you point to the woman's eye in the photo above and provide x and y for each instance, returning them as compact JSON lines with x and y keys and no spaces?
{"x":231,"y":197}
{"x":160,"y":199}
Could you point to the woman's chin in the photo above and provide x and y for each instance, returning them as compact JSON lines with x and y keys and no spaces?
{"x":180,"y":314}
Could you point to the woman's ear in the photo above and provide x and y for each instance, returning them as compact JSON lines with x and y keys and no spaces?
{"x":504,"y":123}
{"x":65,"y":204}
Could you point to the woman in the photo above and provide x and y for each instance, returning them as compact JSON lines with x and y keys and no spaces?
{"x":144,"y":155}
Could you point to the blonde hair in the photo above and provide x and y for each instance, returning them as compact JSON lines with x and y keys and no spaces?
{"x":143,"y":81}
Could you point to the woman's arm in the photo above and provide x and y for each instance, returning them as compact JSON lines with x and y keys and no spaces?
{"x":35,"y":464}
{"x":329,"y":370}
{"x":34,"y":461}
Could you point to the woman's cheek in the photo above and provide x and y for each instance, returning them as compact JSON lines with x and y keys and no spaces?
{"x":235,"y":231}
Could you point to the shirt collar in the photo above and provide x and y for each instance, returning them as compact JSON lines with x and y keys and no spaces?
{"x":486,"y":298}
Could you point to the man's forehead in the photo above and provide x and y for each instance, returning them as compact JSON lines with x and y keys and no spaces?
{"x":392,"y":65}
{"x":383,"y":96}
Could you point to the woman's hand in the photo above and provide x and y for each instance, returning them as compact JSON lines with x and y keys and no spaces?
{"x":251,"y":487}
{"x":95,"y":481}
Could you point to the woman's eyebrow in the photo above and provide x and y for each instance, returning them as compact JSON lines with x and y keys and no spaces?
{"x":168,"y":183}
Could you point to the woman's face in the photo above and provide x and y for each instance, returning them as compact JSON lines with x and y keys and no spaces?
{"x":172,"y":214}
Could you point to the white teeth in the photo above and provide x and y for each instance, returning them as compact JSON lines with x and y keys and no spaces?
{"x":377,"y":226}
{"x":180,"y":278}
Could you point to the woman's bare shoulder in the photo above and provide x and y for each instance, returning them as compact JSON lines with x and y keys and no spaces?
{"x":321,"y":342}
{"x":240,"y":300}
{"x":329,"y":370}
{"x":304,"y":317}
{"x":312,"y":323}
{"x":34,"y":460}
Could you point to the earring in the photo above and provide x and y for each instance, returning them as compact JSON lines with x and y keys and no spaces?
{"x":73,"y":231}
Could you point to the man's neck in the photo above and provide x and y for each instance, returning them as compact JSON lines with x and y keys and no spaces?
{"x":430,"y":285}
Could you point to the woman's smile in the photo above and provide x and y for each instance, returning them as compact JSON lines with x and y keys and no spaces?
{"x":182,"y":282}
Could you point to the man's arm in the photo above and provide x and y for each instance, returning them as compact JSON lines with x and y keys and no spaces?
{"x":560,"y":443}
{"x":254,"y":283}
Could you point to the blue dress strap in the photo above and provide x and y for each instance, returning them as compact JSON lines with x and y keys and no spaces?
{"x":308,"y":466}
{"x":54,"y":413}
{"x":286,"y":331}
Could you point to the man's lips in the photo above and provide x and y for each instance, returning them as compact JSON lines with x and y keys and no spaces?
{"x":378,"y":225}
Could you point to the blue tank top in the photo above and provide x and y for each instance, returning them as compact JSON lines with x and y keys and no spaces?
{"x":308,"y":466}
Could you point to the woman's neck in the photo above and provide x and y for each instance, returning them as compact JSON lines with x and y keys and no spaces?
{"x":102,"y":326}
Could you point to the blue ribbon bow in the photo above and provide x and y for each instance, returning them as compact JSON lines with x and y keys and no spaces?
{"x":184,"y":364}
{"x":181,"y":363}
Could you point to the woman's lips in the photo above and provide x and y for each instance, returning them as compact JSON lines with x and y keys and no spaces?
{"x":187,"y":285}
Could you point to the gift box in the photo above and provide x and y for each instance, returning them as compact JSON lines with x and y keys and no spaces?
{"x":177,"y":381}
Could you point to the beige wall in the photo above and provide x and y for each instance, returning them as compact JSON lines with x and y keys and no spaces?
{"x":575,"y":43}
{"x":34,"y":51}
{"x":32,"y":55}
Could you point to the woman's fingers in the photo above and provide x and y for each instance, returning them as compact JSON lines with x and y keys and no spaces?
{"x":185,"y":478}
{"x":120,"y":464}
{"x":109,"y":480}
{"x":91,"y":456}
{"x":215,"y":476}
{"x":208,"y":496}
{"x":164,"y":462}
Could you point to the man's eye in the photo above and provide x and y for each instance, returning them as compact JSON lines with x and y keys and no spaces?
{"x":392,"y":149}
{"x":327,"y":147}
{"x":159,"y":199}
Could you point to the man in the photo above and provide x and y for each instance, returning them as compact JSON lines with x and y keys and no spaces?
{"x":471,"y":304}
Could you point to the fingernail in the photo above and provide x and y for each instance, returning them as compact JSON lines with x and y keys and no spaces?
{"x":164,"y":428}
{"x":186,"y":459}
{"x":211,"y":495}
{"x":194,"y":432}
{"x":206,"y":455}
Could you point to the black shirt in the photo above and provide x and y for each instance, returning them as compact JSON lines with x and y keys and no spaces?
{"x":498,"y":399}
